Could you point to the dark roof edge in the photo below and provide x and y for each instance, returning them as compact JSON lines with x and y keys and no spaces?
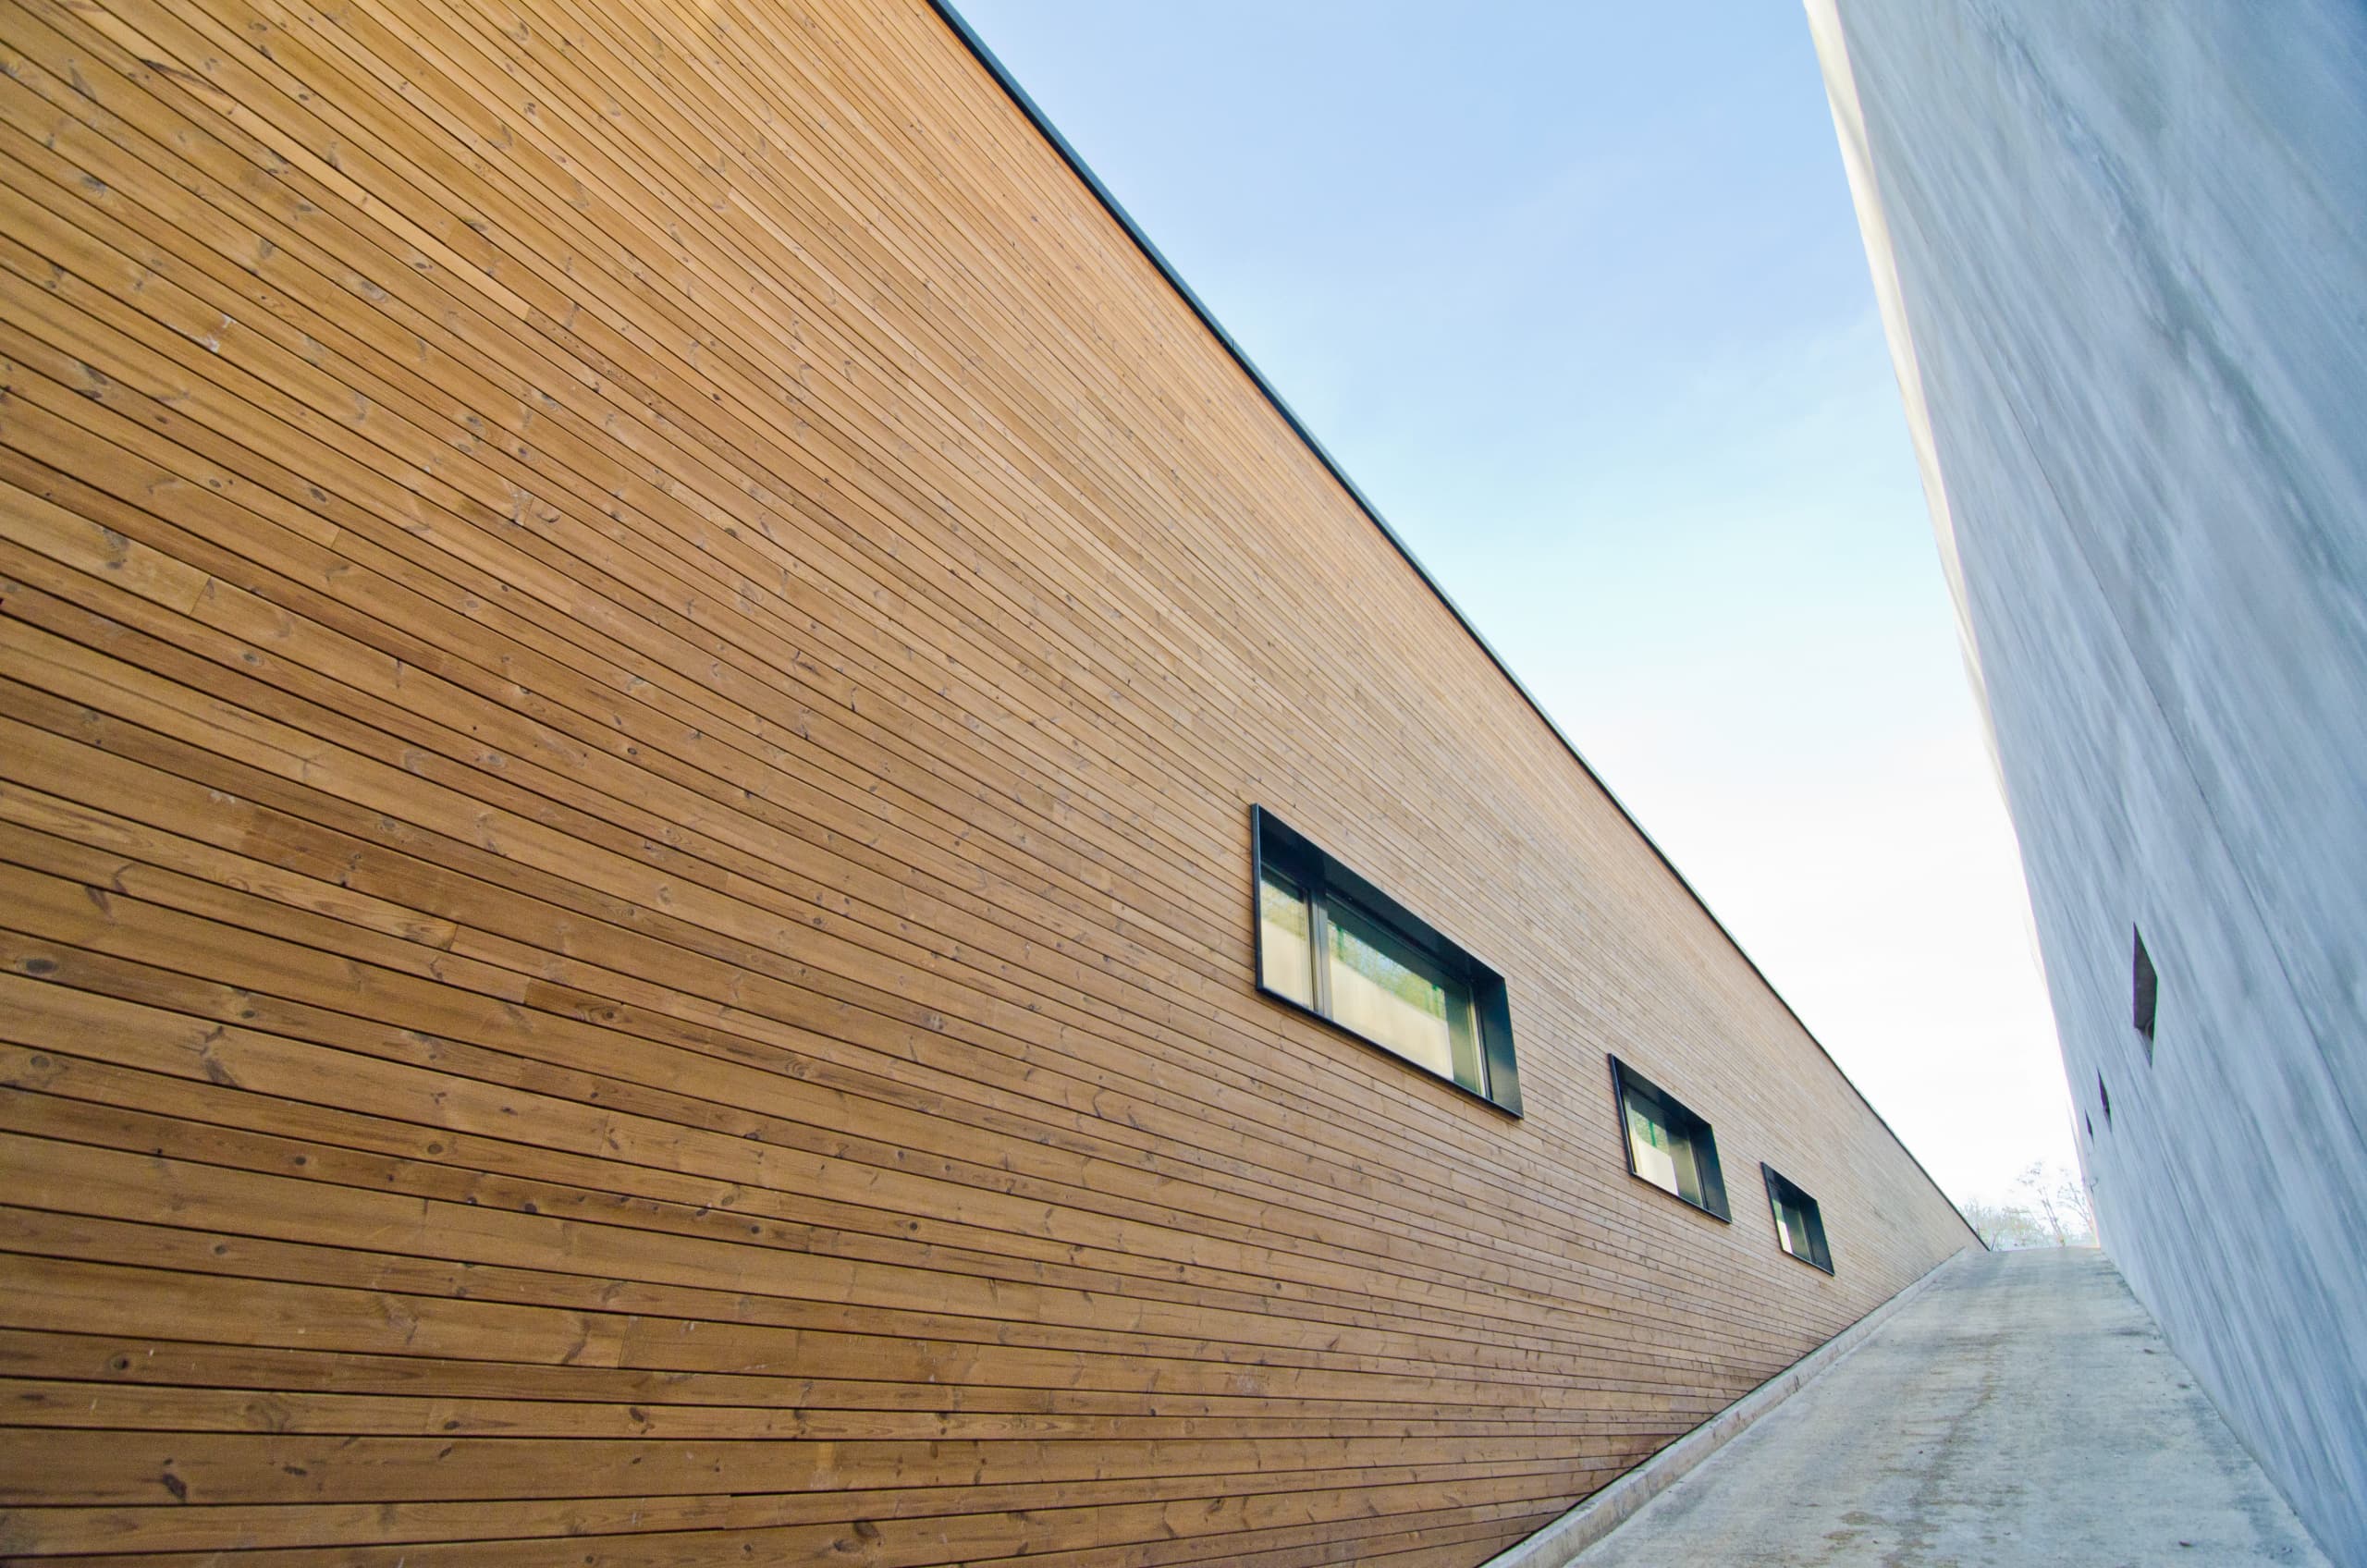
{"x":1051,"y":133}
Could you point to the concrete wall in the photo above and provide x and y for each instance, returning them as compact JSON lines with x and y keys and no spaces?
{"x":2123,"y":249}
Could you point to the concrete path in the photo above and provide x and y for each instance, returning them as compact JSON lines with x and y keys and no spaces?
{"x":2023,"y":1410}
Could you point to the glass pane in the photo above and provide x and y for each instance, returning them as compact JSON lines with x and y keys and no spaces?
{"x":1648,"y":1141}
{"x":1793,"y":1229}
{"x":1463,"y":1019}
{"x":1688,"y":1168}
{"x":1283,"y":950}
{"x":1394,"y":995}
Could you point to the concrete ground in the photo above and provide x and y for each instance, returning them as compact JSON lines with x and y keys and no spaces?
{"x":2022,"y":1410}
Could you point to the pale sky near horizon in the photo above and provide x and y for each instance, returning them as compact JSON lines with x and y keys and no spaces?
{"x":1574,"y":292}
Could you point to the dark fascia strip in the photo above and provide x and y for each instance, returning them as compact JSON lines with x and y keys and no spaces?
{"x":1084,"y":171}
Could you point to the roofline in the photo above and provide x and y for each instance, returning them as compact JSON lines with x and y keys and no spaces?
{"x":1084,"y":171}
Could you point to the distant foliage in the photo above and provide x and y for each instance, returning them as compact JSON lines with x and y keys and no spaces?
{"x":2048,"y":1208}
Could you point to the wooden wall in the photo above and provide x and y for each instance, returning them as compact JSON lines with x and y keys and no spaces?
{"x":634,"y":646}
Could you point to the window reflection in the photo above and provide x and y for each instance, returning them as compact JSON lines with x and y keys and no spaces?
{"x":1667,"y":1145}
{"x":1391,"y":994}
{"x":1799,"y":1223}
{"x":1649,"y":1142}
{"x":1333,"y":944}
{"x":1284,"y":953}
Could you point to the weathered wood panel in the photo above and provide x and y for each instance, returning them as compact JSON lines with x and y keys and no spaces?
{"x":634,"y":642}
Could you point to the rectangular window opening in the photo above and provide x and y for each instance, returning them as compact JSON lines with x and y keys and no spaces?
{"x":1332,"y":944}
{"x":1799,"y":1224}
{"x":2145,"y":989}
{"x":1667,"y":1145}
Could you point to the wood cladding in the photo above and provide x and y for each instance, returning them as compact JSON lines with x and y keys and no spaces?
{"x":635,"y":642}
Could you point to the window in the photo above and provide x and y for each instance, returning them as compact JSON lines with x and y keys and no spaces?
{"x":2145,"y":987}
{"x":1667,"y":1145}
{"x":2104,"y":1095}
{"x":1334,"y":944}
{"x":1799,"y":1225}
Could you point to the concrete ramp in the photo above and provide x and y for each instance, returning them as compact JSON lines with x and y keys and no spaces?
{"x":2022,"y":1410}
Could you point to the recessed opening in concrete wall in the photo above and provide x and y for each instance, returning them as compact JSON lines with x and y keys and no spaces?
{"x":2103,"y":1098}
{"x":2144,"y":987}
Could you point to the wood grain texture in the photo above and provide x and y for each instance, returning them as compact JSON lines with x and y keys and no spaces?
{"x":634,"y":645}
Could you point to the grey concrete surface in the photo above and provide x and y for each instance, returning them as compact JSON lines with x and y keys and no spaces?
{"x":1557,"y":1543}
{"x":2023,"y":1410}
{"x":2122,"y":245}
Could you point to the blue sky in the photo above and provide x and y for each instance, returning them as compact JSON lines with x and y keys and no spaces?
{"x":1575,"y":293}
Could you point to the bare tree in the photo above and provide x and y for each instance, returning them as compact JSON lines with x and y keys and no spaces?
{"x":2057,"y":1204}
{"x":2033,"y":1183}
{"x":2072,"y":1193}
{"x":1987,"y":1221}
{"x":2003,"y":1227}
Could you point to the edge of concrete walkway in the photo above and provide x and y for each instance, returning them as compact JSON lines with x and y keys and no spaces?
{"x":1558,"y":1543}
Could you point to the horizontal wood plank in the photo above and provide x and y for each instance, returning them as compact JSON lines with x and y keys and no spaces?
{"x":635,"y":643}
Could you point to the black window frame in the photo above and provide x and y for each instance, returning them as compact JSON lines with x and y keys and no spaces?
{"x":1782,"y":1188}
{"x":1681,"y":1120}
{"x":1324,"y":879}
